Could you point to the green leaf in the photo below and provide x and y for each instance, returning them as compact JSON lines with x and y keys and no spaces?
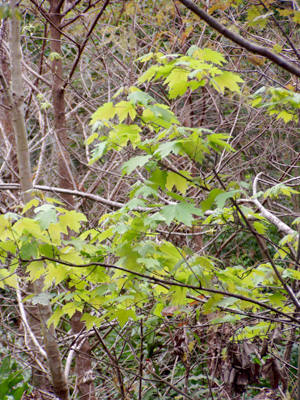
{"x":47,"y":250}
{"x":212,"y":302}
{"x":162,"y":111}
{"x":146,"y":191}
{"x":226,"y":319}
{"x":123,"y":316}
{"x":54,"y":56}
{"x":255,"y":17}
{"x":55,"y":317}
{"x":70,"y":309}
{"x":106,"y":112}
{"x":56,"y":274}
{"x":31,"y":203}
{"x":259,"y":19}
{"x":18,"y":393}
{"x":98,"y":152}
{"x":278,"y":189}
{"x":96,"y":128}
{"x":206,"y":55}
{"x":91,"y":138}
{"x":123,"y":133}
{"x":182,"y":212}
{"x":249,"y":332}
{"x":6,"y":278}
{"x":207,"y":204}
{"x":125,"y":109}
{"x":46,"y":215}
{"x":218,"y":139}
{"x":227,"y":301}
{"x":45,"y":105}
{"x":91,"y":320}
{"x":296,"y":221}
{"x":29,"y":250}
{"x":165,"y":149}
{"x":277,"y":299}
{"x":135,"y":162}
{"x":71,"y":220}
{"x":180,"y":182}
{"x":140,"y":97}
{"x":7,"y":218}
{"x":221,"y":198}
{"x":195,"y":147}
{"x":148,"y":75}
{"x":177,"y":82}
{"x":179,"y":295}
{"x":257,"y":101}
{"x":159,"y":177}
{"x":286,"y":116}
{"x":35,"y":269}
{"x":259,"y":227}
{"x":227,"y":80}
{"x":146,"y":57}
{"x":292,"y":273}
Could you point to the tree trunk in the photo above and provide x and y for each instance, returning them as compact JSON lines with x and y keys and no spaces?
{"x":16,"y":100}
{"x":6,"y":126}
{"x":66,"y":180}
{"x":65,"y":177}
{"x":83,"y":362}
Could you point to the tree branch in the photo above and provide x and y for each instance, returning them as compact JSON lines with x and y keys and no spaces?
{"x":238,"y":39}
{"x":160,"y":281}
{"x":26,"y":324}
{"x":99,"y":199}
{"x":268,"y":215}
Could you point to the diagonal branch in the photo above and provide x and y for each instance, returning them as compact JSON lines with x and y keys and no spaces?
{"x":268,"y":215}
{"x":238,"y":39}
{"x":264,"y":250}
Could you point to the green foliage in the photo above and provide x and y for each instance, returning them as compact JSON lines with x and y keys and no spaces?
{"x":182,"y":73}
{"x":12,"y":385}
{"x":142,"y":112}
{"x":54,"y":56}
{"x":142,"y":266}
{"x":280,"y":189}
{"x":278,"y":101}
{"x":129,"y":261}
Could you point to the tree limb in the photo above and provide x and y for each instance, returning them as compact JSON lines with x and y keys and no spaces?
{"x":99,"y":199}
{"x":238,"y":39}
{"x":160,"y":281}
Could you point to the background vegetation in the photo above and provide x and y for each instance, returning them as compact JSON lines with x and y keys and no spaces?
{"x":149,"y":182}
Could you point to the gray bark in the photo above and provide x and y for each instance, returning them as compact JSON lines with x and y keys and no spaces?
{"x":16,"y":101}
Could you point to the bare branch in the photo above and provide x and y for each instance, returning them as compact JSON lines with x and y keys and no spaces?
{"x":26,"y":325}
{"x":282,"y":227}
{"x":238,"y":39}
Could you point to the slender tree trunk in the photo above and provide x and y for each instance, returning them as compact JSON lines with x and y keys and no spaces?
{"x":16,"y":100}
{"x":6,"y":126}
{"x":58,"y":101}
{"x":83,"y":362}
{"x":59,"y":381}
{"x":66,"y":181}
